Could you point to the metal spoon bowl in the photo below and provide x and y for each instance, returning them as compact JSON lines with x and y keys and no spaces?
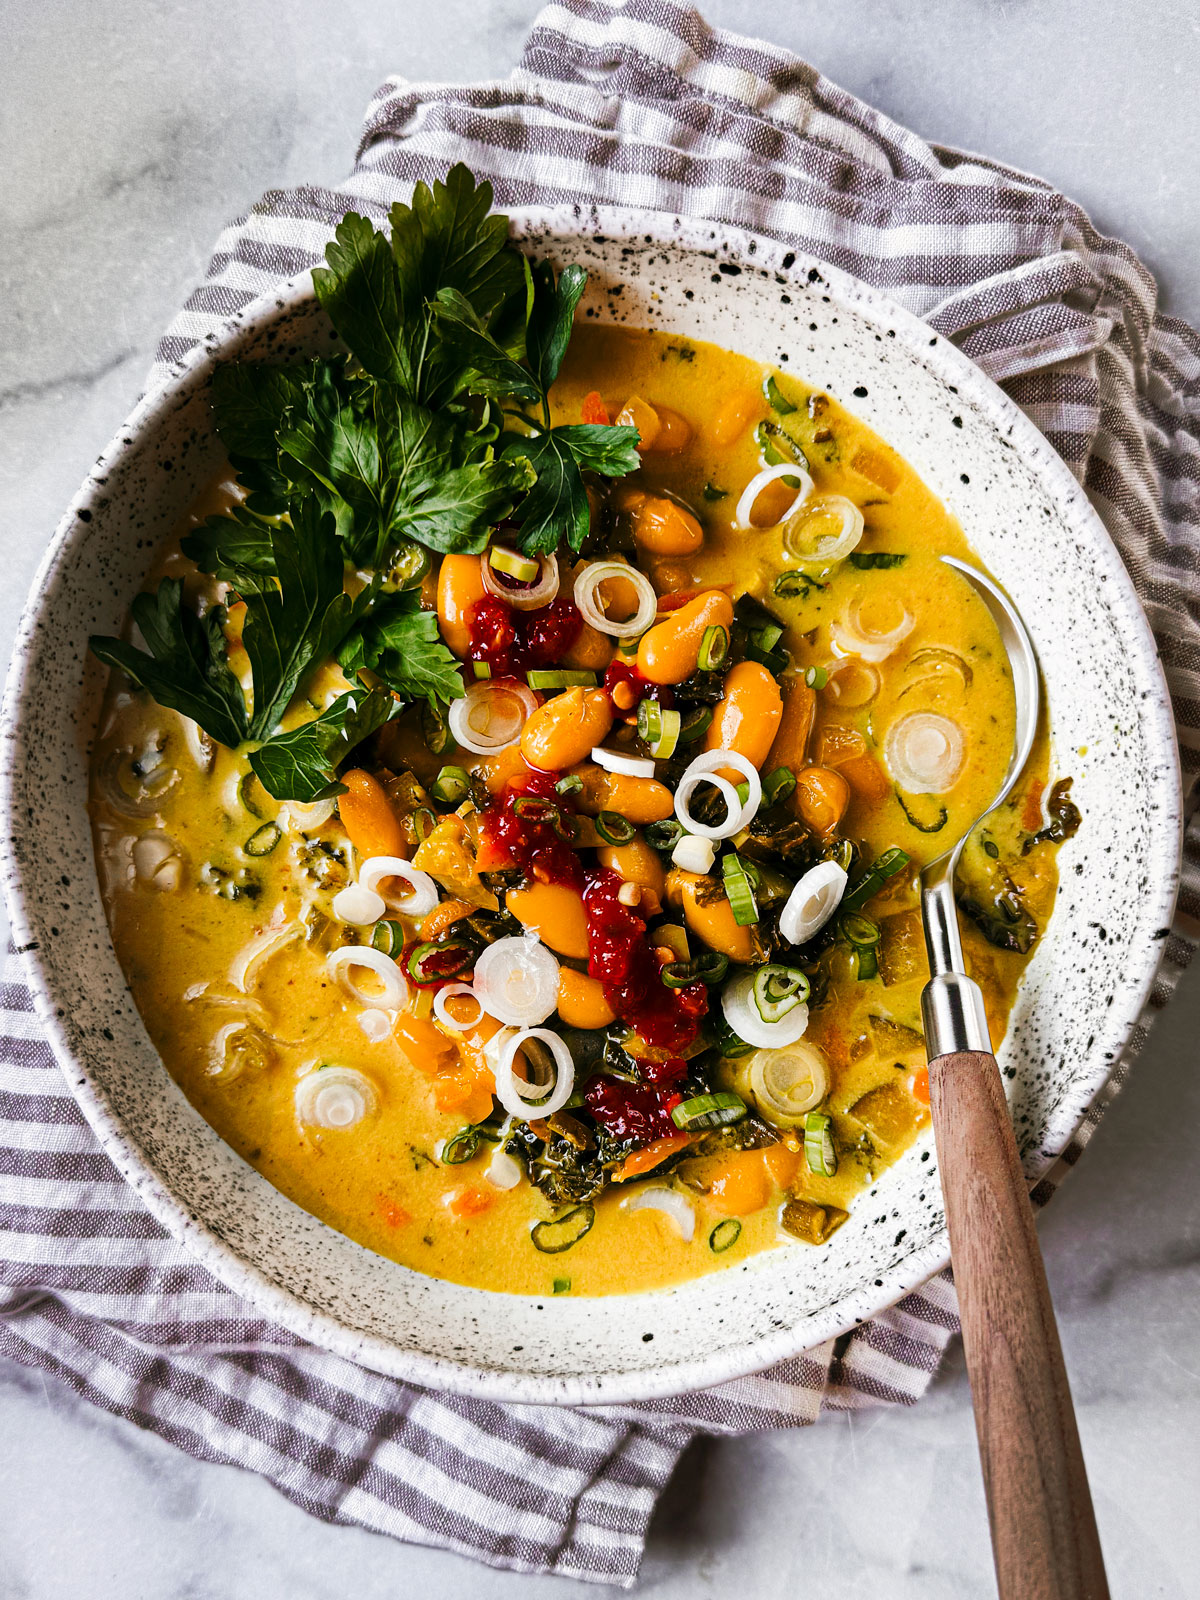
{"x":952,"y":1006}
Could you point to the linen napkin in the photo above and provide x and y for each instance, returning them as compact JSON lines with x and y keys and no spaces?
{"x":639,"y":104}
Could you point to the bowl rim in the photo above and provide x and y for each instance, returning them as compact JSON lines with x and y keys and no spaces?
{"x":284,"y":1305}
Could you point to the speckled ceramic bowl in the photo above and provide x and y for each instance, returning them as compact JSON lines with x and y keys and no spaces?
{"x":1032,"y":526}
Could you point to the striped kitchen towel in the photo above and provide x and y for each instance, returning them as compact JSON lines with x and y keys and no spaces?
{"x":638,"y":104}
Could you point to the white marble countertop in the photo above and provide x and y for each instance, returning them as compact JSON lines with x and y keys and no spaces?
{"x":130,"y":133}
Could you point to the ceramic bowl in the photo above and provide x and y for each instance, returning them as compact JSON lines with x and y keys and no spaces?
{"x":1031,"y":525}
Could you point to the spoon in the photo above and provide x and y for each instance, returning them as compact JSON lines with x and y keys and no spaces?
{"x":1044,"y":1538}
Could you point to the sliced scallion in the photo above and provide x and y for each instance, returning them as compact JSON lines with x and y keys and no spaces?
{"x":725,"y":1235}
{"x":710,"y":968}
{"x":739,"y":890}
{"x":481,"y":669}
{"x":730,"y":1044}
{"x":451,"y":785}
{"x":663,"y":748}
{"x":778,"y":785}
{"x":708,"y":1111}
{"x":613,"y":828}
{"x":560,"y":678}
{"x":816,"y":677}
{"x":867,"y":961}
{"x":860,"y":930}
{"x":649,"y":721}
{"x":388,"y":937}
{"x":560,"y":1233}
{"x":818,"y":1144}
{"x":881,"y":869}
{"x":694,"y":724}
{"x":778,"y":990}
{"x":263,"y":840}
{"x":776,"y":398}
{"x":460,"y":1147}
{"x":435,"y":730}
{"x":714,"y":647}
{"x":664,"y":835}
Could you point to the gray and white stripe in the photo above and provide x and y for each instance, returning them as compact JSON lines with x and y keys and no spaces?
{"x":638,"y":104}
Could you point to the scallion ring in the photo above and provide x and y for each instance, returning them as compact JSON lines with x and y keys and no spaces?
{"x":561,"y":1232}
{"x":451,"y":785}
{"x":881,"y":869}
{"x":613,"y":828}
{"x":441,"y":1007}
{"x":649,"y":720}
{"x":263,"y":840}
{"x":560,"y":678}
{"x":740,"y":891}
{"x":518,"y":1096}
{"x":663,"y":835}
{"x":818,"y":1144}
{"x":778,"y":990}
{"x":708,"y":1111}
{"x":860,"y":930}
{"x":739,"y":1003}
{"x":709,"y":968}
{"x":571,"y":784}
{"x":743,"y":516}
{"x":393,"y":992}
{"x":523,"y":593}
{"x":707,"y":768}
{"x":663,"y":748}
{"x":778,"y":785}
{"x":725,"y":1235}
{"x":490,"y":716}
{"x":694,"y":724}
{"x":714,"y":647}
{"x":388,"y":937}
{"x":423,"y":891}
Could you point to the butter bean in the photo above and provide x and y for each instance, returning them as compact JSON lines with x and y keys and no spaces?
{"x":564,"y":730}
{"x":712,"y":922}
{"x":639,"y":800}
{"x":460,"y":585}
{"x":581,"y":1002}
{"x":668,"y":653}
{"x":555,"y":912}
{"x":748,"y":715}
{"x":666,"y":529}
{"x":822,"y":796}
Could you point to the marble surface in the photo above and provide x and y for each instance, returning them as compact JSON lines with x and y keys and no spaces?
{"x":131,"y":130}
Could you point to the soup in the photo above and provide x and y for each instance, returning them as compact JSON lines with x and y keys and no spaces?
{"x":541,"y":912}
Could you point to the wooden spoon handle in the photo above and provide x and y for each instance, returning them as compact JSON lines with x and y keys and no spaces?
{"x":1044,"y":1535}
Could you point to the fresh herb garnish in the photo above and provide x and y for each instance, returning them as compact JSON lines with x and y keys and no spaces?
{"x":434,"y":429}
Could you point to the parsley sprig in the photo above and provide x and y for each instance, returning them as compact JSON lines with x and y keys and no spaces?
{"x":432,"y":430}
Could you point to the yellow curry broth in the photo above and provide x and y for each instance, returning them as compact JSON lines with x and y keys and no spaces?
{"x":381,"y":1183}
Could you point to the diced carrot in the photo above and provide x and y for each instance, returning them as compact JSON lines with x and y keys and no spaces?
{"x":444,"y":916}
{"x":394,"y":1215}
{"x":782,"y":1162}
{"x":866,"y":777}
{"x":424,"y":1043}
{"x":741,"y":1184}
{"x":1031,"y":815}
{"x":368,"y":818}
{"x":650,"y":1156}
{"x":469,"y":1202}
{"x":594,"y":409}
{"x":918,"y":1085}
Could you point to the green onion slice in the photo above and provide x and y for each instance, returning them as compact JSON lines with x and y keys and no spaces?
{"x":766,"y":637}
{"x":423,"y":821}
{"x":513,"y":564}
{"x":725,"y":1235}
{"x":664,"y":835}
{"x":245,"y":790}
{"x":708,"y":1111}
{"x":451,"y":785}
{"x":776,"y":398}
{"x":778,"y":990}
{"x":816,"y":677}
{"x":867,"y":960}
{"x":263,"y":840}
{"x":860,"y":930}
{"x":730,"y":1044}
{"x":388,"y":937}
{"x":649,"y":720}
{"x":818,"y":1144}
{"x":714,"y":647}
{"x":695,"y":723}
{"x":710,"y":968}
{"x":560,"y":678}
{"x":433,"y":961}
{"x":613,"y":828}
{"x":778,"y":785}
{"x":663,"y":747}
{"x":739,"y":890}
{"x":882,"y":868}
{"x":460,"y":1147}
{"x":481,"y":669}
{"x":561,"y":1232}
{"x":435,"y":730}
